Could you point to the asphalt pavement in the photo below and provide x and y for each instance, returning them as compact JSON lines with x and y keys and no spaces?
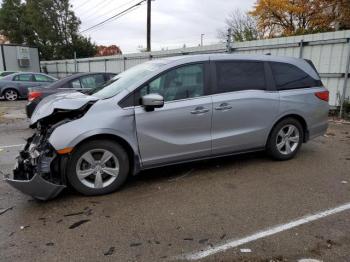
{"x":239,"y":208}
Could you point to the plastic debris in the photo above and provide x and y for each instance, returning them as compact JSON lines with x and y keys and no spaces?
{"x":344,"y":182}
{"x":245,"y":250}
{"x":3,"y":211}
{"x":309,"y":260}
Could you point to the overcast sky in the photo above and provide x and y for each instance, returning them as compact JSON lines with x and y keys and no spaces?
{"x":174,"y":22}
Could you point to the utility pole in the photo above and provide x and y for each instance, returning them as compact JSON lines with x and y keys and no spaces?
{"x":202,"y":35}
{"x":148,"y":25}
{"x":229,"y":41}
{"x":75,"y":62}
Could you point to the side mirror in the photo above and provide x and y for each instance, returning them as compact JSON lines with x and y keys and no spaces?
{"x":152,"y":101}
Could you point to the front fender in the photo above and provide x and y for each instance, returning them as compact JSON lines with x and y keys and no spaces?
{"x":103,"y":131}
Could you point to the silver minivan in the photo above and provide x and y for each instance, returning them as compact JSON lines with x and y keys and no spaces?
{"x":171,"y":111}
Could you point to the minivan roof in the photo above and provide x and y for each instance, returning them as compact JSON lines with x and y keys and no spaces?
{"x":300,"y":63}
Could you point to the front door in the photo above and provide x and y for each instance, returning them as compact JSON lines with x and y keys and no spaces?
{"x":243,"y":106}
{"x":180,"y":130}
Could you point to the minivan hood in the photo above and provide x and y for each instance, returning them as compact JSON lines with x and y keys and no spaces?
{"x":60,"y":101}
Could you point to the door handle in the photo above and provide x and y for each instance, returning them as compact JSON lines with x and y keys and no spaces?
{"x":223,"y":107}
{"x":200,"y":110}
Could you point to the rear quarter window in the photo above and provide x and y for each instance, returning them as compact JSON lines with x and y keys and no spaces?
{"x":288,"y":77}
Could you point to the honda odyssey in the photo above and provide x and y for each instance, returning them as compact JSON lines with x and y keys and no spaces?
{"x":170,"y":111}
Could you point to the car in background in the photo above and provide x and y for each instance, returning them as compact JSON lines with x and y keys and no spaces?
{"x":15,"y":86}
{"x":82,"y":82}
{"x":6,"y":73}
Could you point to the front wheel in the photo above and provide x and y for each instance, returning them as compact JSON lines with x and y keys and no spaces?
{"x":98,"y":167}
{"x":285,"y":139}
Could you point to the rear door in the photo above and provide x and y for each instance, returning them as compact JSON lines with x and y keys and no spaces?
{"x":42,"y":80}
{"x":180,"y":130}
{"x":85,"y":83}
{"x":244,"y":105}
{"x":92,"y":81}
{"x":23,"y":82}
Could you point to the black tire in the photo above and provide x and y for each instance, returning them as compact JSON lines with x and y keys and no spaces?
{"x":10,"y":92}
{"x":271,"y":146}
{"x":111,"y":147}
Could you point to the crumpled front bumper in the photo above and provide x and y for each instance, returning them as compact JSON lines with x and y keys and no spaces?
{"x":40,"y":181}
{"x":37,"y":187}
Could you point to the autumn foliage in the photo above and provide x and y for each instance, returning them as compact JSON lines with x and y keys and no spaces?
{"x":293,"y":17}
{"x":108,"y":50}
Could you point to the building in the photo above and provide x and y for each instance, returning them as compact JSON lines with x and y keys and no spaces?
{"x":19,"y":58}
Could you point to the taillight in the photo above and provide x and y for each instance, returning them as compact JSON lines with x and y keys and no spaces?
{"x":34,"y":94}
{"x":324,"y":95}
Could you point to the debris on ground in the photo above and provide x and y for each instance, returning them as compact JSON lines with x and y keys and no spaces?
{"x":79,"y":223}
{"x":344,"y":182}
{"x":110,"y":251}
{"x":309,"y":260}
{"x":245,"y":250}
{"x":3,"y":211}
{"x":182,"y":176}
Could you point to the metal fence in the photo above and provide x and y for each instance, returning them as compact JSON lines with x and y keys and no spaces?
{"x":330,"y":52}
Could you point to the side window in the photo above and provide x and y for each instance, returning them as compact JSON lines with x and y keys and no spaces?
{"x":240,"y":75}
{"x":92,"y":81}
{"x":291,"y":77}
{"x":75,"y":84}
{"x":42,"y":78}
{"x":110,"y":76}
{"x":180,"y":83}
{"x":23,"y":77}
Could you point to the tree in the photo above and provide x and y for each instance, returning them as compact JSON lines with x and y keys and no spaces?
{"x":50,"y":25}
{"x":293,"y":17}
{"x":11,"y":20}
{"x":342,"y":14}
{"x":243,"y":27}
{"x":108,"y":50}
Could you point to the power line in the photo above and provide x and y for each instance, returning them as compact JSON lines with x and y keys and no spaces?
{"x":96,"y":28}
{"x":113,"y":17}
{"x":83,"y":4}
{"x":95,"y":8}
{"x":87,"y":18}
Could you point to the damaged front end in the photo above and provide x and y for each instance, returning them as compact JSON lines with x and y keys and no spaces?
{"x":40,"y":170}
{"x":37,"y":170}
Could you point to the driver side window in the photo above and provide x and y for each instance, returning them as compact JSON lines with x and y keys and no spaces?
{"x":180,"y":83}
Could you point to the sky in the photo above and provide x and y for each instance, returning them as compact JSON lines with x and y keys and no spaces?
{"x":174,"y":22}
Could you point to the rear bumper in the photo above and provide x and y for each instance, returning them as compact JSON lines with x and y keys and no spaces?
{"x":318,"y":130}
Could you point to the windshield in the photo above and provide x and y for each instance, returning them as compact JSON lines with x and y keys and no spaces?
{"x":125,"y":79}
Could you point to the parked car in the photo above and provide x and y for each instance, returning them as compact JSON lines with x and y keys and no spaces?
{"x":15,"y":86}
{"x":83,"y":82}
{"x":6,"y":73}
{"x":169,"y":111}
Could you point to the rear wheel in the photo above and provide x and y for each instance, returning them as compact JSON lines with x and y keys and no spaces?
{"x":98,"y":167}
{"x":285,"y":139}
{"x":11,"y":95}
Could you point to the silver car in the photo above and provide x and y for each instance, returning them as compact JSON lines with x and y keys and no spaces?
{"x":15,"y":86}
{"x":170,"y":111}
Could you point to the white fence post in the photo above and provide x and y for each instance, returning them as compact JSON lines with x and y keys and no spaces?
{"x":346,"y":77}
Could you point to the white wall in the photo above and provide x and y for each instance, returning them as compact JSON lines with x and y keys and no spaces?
{"x":10,"y":55}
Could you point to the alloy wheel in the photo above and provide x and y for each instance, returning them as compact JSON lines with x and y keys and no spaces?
{"x":11,"y":95}
{"x":288,"y":139}
{"x":97,"y":168}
